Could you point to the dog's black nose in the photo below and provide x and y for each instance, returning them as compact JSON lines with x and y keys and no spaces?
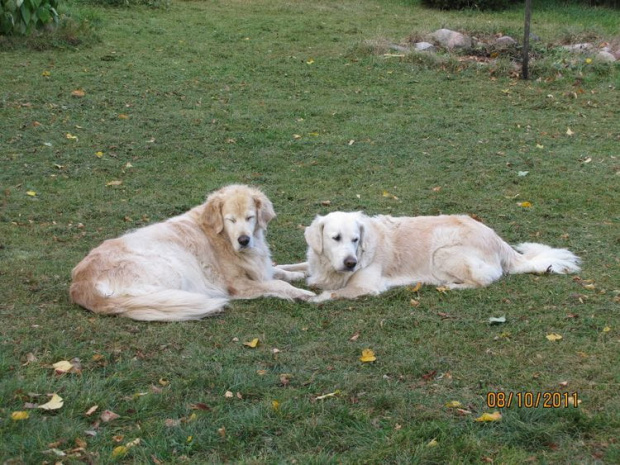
{"x":244,"y":240}
{"x":350,"y":262}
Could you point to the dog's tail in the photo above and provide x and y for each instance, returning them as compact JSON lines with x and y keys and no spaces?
{"x":531,"y":257}
{"x":159,"y":305}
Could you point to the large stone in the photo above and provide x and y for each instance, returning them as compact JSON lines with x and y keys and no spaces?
{"x":505,"y":41}
{"x":424,"y":47}
{"x":605,"y":56}
{"x":451,"y":39}
{"x":579,"y":48}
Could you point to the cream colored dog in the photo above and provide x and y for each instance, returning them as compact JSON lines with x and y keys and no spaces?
{"x":351,"y":254}
{"x":187,"y":267}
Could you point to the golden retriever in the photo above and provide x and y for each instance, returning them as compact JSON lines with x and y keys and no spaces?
{"x":189,"y":266}
{"x":351,"y":254}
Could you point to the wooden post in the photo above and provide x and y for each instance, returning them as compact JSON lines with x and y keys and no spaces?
{"x":526,"y":40}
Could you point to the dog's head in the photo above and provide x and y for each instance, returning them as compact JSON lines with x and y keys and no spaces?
{"x":240,"y":212}
{"x":340,"y":238}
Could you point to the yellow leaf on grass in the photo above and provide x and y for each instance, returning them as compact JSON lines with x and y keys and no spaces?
{"x":253,"y":344}
{"x":432,"y":443}
{"x":554,"y":337}
{"x":525,"y":204}
{"x":606,"y":329}
{"x":495,"y":416}
{"x":310,"y":61}
{"x":78,"y":93}
{"x":54,"y":404}
{"x":63,"y":366}
{"x":453,"y":404}
{"x":367,"y":356}
{"x":119,"y":451}
{"x":99,"y":154}
{"x":31,"y":193}
{"x":71,"y":136}
{"x":123,"y":116}
{"x":275,"y":405}
{"x":21,"y":415}
{"x":569,"y":132}
{"x":46,"y":74}
{"x":114,"y":183}
{"x":416,"y":288}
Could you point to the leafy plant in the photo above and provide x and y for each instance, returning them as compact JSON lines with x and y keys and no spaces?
{"x":463,"y":4}
{"x":24,"y":16}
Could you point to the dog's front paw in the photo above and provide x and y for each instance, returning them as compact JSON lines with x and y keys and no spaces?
{"x":322,"y":297}
{"x":305,"y":295}
{"x":297,"y":275}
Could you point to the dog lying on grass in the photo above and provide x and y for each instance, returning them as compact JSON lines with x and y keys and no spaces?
{"x":189,"y":266}
{"x":351,"y":254}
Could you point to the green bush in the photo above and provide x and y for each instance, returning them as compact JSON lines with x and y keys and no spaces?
{"x":24,"y":16}
{"x":475,"y":4}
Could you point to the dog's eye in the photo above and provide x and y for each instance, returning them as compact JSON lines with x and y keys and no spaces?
{"x":355,"y":240}
{"x":337,"y":238}
{"x":249,"y":218}
{"x":232,"y":220}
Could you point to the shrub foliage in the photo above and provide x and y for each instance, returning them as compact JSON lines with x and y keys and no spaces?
{"x":24,"y":16}
{"x":475,"y":4}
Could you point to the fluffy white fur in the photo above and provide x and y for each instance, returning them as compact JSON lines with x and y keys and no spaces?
{"x":189,"y":266}
{"x":351,"y":254}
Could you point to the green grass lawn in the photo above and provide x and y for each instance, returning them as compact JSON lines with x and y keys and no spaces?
{"x":292,"y":97}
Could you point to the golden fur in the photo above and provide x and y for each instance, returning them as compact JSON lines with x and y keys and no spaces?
{"x":189,"y":266}
{"x":351,"y":254}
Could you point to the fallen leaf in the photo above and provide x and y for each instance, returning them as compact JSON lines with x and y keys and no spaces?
{"x":46,"y":74}
{"x":554,"y":337}
{"x":540,"y":146}
{"x":229,"y":395}
{"x":497,"y":320}
{"x":170,"y":423}
{"x":78,"y":93}
{"x":495,"y":416}
{"x":355,"y":337}
{"x":442,"y":289}
{"x":54,"y":403}
{"x":20,"y":415}
{"x":569,"y":132}
{"x":462,"y":411}
{"x":123,"y":116}
{"x":119,"y":451}
{"x":71,"y":136}
{"x":252,"y":344}
{"x":275,"y":405}
{"x":199,"y":406}
{"x":99,"y":154}
{"x":296,"y":136}
{"x":524,"y":204}
{"x":416,"y":288}
{"x":310,"y":61}
{"x":63,"y":366}
{"x":114,"y":183}
{"x":606,"y":329}
{"x":523,"y":173}
{"x":108,"y":415}
{"x":91,"y":410}
{"x":414,"y":303}
{"x":222,"y":431}
{"x":31,"y":193}
{"x":367,"y":356}
{"x":387,"y":194}
{"x":163,"y":382}
{"x":261,"y":372}
{"x":453,"y":404}
{"x":432,"y":443}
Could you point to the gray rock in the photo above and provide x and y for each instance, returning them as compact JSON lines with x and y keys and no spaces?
{"x":399,"y":48}
{"x":605,"y":56}
{"x":505,"y":41}
{"x":425,"y":47}
{"x":451,"y":39}
{"x":578,"y":48}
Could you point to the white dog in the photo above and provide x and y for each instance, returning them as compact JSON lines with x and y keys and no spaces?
{"x":187,"y":267}
{"x":351,"y":254}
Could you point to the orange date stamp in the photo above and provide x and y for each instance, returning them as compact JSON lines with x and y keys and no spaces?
{"x":532,"y":399}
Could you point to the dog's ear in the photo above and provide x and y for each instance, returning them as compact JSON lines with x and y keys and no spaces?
{"x":314,"y":235}
{"x":212,"y":216}
{"x":367,"y":243}
{"x":264,"y":208}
